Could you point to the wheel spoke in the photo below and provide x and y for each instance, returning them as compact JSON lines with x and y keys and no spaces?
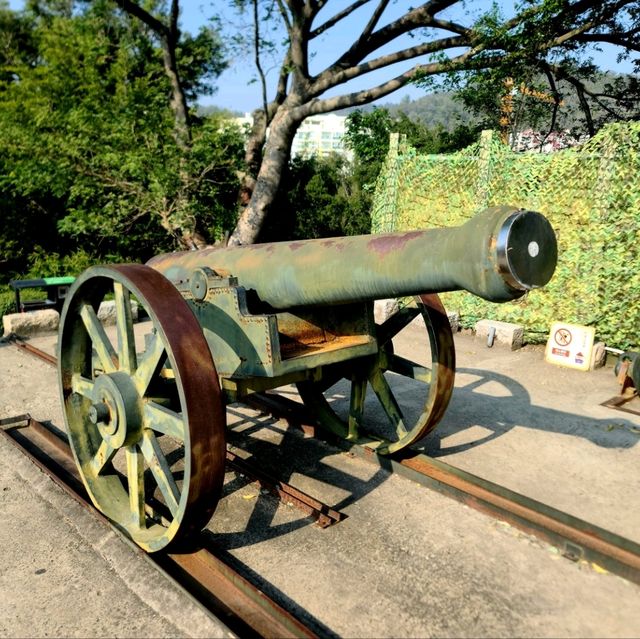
{"x":407,"y":368}
{"x":124,"y":326}
{"x":356,"y":406}
{"x":82,"y":385}
{"x":135,"y":475}
{"x":392,"y":326}
{"x":161,"y":471}
{"x":388,"y":401}
{"x":102,"y":457}
{"x":163,"y":420}
{"x":99,"y":339}
{"x":150,"y":364}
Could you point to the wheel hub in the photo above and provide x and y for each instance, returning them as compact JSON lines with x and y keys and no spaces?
{"x":116,"y":410}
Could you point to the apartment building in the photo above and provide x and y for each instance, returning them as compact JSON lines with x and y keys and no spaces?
{"x":317,"y":135}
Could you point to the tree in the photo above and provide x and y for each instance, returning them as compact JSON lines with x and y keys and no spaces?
{"x":320,"y":197}
{"x":518,"y":98}
{"x":90,"y":145}
{"x":554,"y":35}
{"x":367,"y":135}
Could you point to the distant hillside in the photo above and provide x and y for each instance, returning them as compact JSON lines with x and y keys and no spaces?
{"x":431,"y":110}
{"x":211,"y":109}
{"x":442,"y":109}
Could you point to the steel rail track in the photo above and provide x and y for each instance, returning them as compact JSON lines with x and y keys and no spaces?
{"x":244,"y":608}
{"x":575,"y":538}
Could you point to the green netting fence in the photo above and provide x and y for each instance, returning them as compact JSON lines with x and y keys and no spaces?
{"x":590,"y":194}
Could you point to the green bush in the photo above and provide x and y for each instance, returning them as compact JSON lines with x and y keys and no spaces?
{"x":46,"y":264}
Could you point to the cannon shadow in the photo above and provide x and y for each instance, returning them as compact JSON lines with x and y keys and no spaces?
{"x":497,"y":403}
{"x":283,"y":452}
{"x":485,"y":406}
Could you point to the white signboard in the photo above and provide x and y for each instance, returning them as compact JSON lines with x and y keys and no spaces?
{"x":570,"y":345}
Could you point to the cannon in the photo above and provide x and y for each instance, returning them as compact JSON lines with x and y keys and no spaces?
{"x":145,"y":414}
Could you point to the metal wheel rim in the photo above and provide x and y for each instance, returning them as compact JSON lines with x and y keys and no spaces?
{"x":200,"y":421}
{"x":438,"y":396}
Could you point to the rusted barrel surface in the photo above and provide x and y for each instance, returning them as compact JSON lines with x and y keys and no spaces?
{"x":498,"y":255}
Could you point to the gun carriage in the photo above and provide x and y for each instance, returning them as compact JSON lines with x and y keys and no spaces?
{"x":147,"y":423}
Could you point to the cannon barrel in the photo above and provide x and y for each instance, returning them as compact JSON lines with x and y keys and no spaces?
{"x":498,"y":255}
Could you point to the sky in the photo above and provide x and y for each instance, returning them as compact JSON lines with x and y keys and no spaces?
{"x":236,"y":90}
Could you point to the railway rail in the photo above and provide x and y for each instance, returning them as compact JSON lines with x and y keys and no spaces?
{"x":575,"y":538}
{"x":245,"y":609}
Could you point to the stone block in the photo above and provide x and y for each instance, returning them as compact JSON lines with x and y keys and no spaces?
{"x":598,"y":356}
{"x":454,"y":320}
{"x":32,"y":323}
{"x":507,"y":334}
{"x":107,"y":312}
{"x":383,"y":309}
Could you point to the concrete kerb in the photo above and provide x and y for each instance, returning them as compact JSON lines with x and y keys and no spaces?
{"x":47,"y":321}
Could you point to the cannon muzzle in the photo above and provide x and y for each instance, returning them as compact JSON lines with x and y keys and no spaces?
{"x":498,"y":255}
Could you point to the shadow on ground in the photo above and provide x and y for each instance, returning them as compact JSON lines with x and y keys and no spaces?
{"x":497,"y":403}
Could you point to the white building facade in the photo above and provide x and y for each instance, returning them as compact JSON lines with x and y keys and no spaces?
{"x":318,"y":135}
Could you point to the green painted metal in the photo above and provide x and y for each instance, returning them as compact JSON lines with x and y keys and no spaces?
{"x":146,"y":427}
{"x":246,"y":345}
{"x":433,"y":380}
{"x":498,"y":255}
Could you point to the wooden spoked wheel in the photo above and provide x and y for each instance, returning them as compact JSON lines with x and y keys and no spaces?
{"x":386,"y":374}
{"x":146,"y":424}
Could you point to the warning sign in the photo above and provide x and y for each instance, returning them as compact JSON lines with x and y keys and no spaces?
{"x":570,"y":345}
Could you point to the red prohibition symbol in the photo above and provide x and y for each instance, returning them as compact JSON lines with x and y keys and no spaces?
{"x":562,"y":337}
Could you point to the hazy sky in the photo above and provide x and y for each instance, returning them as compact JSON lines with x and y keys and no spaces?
{"x":236,"y":91}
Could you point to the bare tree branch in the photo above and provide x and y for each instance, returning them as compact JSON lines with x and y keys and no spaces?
{"x":137,"y":11}
{"x":173,"y":18}
{"x":557,"y":101}
{"x":358,"y":98}
{"x":285,"y":15}
{"x":281,"y":89}
{"x":256,"y":51}
{"x":328,"y":79}
{"x":337,"y":18}
{"x":373,"y":21}
{"x":628,"y":40}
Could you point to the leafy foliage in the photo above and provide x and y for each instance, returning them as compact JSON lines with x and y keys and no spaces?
{"x":89,"y":159}
{"x":322,"y":197}
{"x":368,"y":133}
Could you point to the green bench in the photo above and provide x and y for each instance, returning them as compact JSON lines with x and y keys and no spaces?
{"x":56,"y":291}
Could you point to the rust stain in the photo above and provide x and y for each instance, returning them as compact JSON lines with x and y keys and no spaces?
{"x":384,"y":244}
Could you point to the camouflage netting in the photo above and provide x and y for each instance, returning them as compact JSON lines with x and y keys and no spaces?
{"x":591,"y":195}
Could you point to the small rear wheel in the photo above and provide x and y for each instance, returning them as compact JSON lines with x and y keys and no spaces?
{"x":383,"y":373}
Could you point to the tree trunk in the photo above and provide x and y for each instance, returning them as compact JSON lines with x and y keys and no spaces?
{"x":276,"y":155}
{"x":252,"y":158}
{"x":178,"y":102}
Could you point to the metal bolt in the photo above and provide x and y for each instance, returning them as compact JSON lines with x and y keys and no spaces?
{"x":99,"y":413}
